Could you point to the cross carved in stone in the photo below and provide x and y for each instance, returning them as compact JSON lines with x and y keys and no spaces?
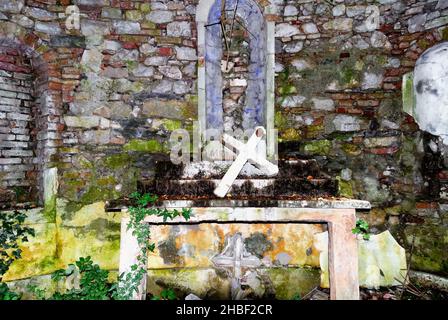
{"x":235,"y":256}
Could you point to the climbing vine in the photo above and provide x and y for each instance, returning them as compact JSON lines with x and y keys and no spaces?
{"x":144,"y":207}
{"x":12,"y":232}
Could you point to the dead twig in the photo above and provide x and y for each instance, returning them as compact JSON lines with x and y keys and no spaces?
{"x":409,"y":265}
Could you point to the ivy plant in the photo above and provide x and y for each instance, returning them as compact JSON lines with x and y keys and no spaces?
{"x":7,"y":294}
{"x":142,"y":208}
{"x":93,"y":283}
{"x":12,"y":232}
{"x":166,"y":294}
{"x":362,"y":228}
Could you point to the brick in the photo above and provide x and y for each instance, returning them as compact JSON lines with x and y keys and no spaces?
{"x":18,"y":116}
{"x":383,"y":151}
{"x":4,"y":137}
{"x":14,"y":144}
{"x":10,"y":161}
{"x":17,"y":153}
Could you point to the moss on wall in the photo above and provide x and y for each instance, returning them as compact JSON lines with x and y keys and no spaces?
{"x":151,"y":146}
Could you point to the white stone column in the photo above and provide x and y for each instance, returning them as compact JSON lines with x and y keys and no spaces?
{"x":129,"y":252}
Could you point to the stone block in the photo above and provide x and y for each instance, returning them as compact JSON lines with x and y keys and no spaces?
{"x":111,"y":13}
{"x":186,"y":53}
{"x":39,"y":14}
{"x":172,"y":72}
{"x":283,"y":30}
{"x":11,"y":6}
{"x":339,"y":24}
{"x":178,"y":29}
{"x":323,"y":104}
{"x":160,"y":16}
{"x":381,"y":260}
{"x":126,"y":27}
{"x":51,"y":28}
{"x":171,"y":109}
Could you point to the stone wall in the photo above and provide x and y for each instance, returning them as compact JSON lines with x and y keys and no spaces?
{"x":339,"y":95}
{"x":112,"y":91}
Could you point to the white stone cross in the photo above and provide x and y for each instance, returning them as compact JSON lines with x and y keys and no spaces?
{"x":246,"y":152}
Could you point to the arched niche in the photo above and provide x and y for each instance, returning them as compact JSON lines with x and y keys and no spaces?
{"x":27,"y":133}
{"x":259,"y":105}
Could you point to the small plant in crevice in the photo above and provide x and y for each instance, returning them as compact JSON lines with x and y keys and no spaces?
{"x":7,"y":294}
{"x":166,"y":294}
{"x":144,"y":207}
{"x":362,"y":228}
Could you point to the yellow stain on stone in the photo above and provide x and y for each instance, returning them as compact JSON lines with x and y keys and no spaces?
{"x":381,"y":260}
{"x":39,"y":255}
{"x":78,"y":242}
{"x":195,"y":245}
{"x":88,"y":231}
{"x":89,"y":213}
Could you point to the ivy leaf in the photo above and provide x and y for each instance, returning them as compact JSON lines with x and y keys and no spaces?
{"x":186,"y":213}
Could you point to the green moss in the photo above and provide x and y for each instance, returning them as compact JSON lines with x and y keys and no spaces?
{"x":151,"y":146}
{"x":313,"y":130}
{"x":131,"y":64}
{"x":133,"y":15}
{"x":280,"y":120}
{"x":117,"y":161}
{"x":408,"y":93}
{"x":147,"y":25}
{"x":171,"y":125}
{"x":145,"y":7}
{"x":290,"y":134}
{"x":351,"y":149}
{"x":96,"y":193}
{"x":290,"y":282}
{"x":445,"y":34}
{"x":84,"y":163}
{"x":70,"y":175}
{"x":341,"y":136}
{"x":49,"y":211}
{"x":106,"y":181}
{"x":348,"y":75}
{"x":381,"y":60}
{"x":345,"y":188}
{"x":48,"y":263}
{"x":189,"y":110}
{"x":42,"y":49}
{"x":319,"y":147}
{"x":423,"y":43}
{"x":287,"y":89}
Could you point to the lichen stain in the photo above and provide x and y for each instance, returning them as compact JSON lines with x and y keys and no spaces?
{"x":258,"y":244}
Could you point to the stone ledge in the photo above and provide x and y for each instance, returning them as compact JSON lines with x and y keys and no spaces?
{"x":319,"y":203}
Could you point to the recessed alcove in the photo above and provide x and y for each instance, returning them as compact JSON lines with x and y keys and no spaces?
{"x":24,"y":127}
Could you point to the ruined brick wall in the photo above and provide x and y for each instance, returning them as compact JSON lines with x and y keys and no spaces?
{"x":17,"y":127}
{"x":115,"y":89}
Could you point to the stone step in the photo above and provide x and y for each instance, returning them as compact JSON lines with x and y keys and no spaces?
{"x":297,"y":168}
{"x":242,"y":188}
